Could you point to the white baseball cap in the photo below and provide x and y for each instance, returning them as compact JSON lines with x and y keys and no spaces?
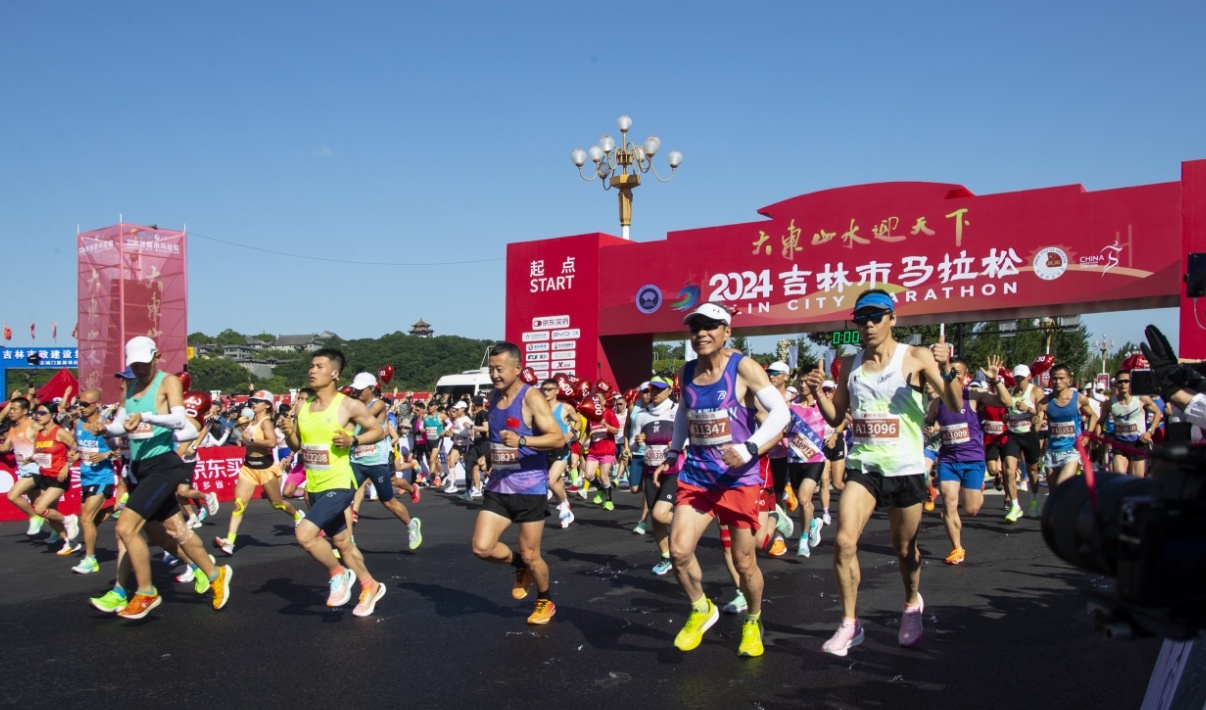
{"x":140,"y":349}
{"x":828,"y":385}
{"x":712,"y":311}
{"x":778,"y":366}
{"x":460,"y":405}
{"x":1021,"y":371}
{"x":261,"y":396}
{"x":793,"y":390}
{"x":364,"y":381}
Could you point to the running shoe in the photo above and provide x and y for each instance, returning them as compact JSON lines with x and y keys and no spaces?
{"x":697,"y":623}
{"x":414,"y":534}
{"x":221,"y":585}
{"x":751,"y":639}
{"x":849,"y":635}
{"x":814,"y":533}
{"x":369,"y":596}
{"x":201,"y":583}
{"x":68,"y":548}
{"x":663,"y":566}
{"x":608,"y":505}
{"x":140,"y":605}
{"x":1008,"y":504}
{"x":194,"y":523}
{"x":225,"y":546}
{"x":1014,"y":514}
{"x":88,"y":565}
{"x":803,"y":549}
{"x":476,"y":494}
{"x":467,"y":496}
{"x":202,"y":514}
{"x":825,"y":518}
{"x":35,"y":525}
{"x":111,"y":602}
{"x":778,"y":548}
{"x":415,"y":495}
{"x":623,"y":482}
{"x":597,"y":499}
{"x":71,"y":524}
{"x":639,"y":529}
{"x":451,"y":487}
{"x":341,"y":588}
{"x":187,"y":576}
{"x":170,"y":560}
{"x":956,"y":557}
{"x":523,"y":584}
{"x":565,"y":516}
{"x":789,"y":499}
{"x":785,"y":526}
{"x":910,"y":624}
{"x":1035,"y":508}
{"x":929,"y":502}
{"x":211,"y":503}
{"x":545,"y":609}
{"x":54,"y":538}
{"x":737,"y":606}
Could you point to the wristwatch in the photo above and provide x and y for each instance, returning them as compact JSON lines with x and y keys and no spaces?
{"x":355,"y":442}
{"x":752,"y":448}
{"x":523,"y":441}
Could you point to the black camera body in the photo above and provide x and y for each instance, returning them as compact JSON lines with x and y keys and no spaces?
{"x":1147,"y":533}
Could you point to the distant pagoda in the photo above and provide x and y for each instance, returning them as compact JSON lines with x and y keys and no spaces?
{"x":422,"y":329}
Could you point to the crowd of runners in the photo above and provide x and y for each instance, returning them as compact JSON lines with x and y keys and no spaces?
{"x":725,"y":442}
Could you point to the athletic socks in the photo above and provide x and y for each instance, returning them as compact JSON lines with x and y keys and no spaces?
{"x":701,"y":605}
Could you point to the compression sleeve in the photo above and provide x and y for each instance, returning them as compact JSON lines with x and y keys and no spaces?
{"x":177,"y":419}
{"x":186,"y":433}
{"x":118,"y":426}
{"x":1195,"y":411}
{"x":680,"y":429}
{"x":778,"y":416}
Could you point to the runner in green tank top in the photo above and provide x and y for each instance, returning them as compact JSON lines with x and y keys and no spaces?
{"x":321,"y":433}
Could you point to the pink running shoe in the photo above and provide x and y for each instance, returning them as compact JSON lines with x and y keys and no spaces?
{"x":910,"y":624}
{"x":849,"y":635}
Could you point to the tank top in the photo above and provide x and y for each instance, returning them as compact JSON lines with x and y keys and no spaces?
{"x":514,"y":470}
{"x":420,"y":431}
{"x":782,"y":447}
{"x":1064,"y":424}
{"x":1017,"y":420}
{"x":806,"y":435}
{"x":328,"y":467}
{"x":93,"y":474}
{"x":257,"y":455}
{"x":715,"y":418}
{"x":23,"y":447}
{"x":1129,"y":420}
{"x":373,"y":454}
{"x":992,"y":422}
{"x":50,"y":453}
{"x":602,"y":441}
{"x":887,"y":419}
{"x":148,"y":440}
{"x":962,"y":437}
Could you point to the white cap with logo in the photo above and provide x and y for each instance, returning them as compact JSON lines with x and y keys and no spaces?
{"x":364,"y":381}
{"x":140,"y":349}
{"x":712,"y":311}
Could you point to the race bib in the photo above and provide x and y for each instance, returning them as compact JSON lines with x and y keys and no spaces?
{"x":876,"y":428}
{"x":598,"y":432}
{"x":803,"y":447}
{"x":1126,"y":428}
{"x":709,"y":427}
{"x":432,"y":432}
{"x":364,"y":450}
{"x":89,"y":447}
{"x":955,"y":434}
{"x":316,"y":457}
{"x":42,"y":460}
{"x":1020,"y":421}
{"x":992,"y":427}
{"x":1062,"y":430}
{"x":503,"y":457}
{"x":655,"y":455}
{"x":144,"y":431}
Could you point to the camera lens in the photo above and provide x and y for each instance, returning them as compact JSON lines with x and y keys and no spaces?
{"x":1081,"y":537}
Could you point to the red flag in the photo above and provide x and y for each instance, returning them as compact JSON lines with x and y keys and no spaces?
{"x":75,"y":332}
{"x":32,"y":335}
{"x":54,"y":331}
{"x":8,"y":332}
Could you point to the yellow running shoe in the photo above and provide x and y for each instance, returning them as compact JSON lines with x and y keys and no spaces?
{"x":956,"y":557}
{"x":523,"y":584}
{"x":751,"y":639}
{"x":697,"y":623}
{"x":545,"y":609}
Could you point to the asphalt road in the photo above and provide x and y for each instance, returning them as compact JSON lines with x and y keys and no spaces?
{"x":1005,"y":629}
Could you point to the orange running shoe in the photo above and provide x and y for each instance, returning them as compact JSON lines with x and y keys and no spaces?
{"x":140,"y":605}
{"x":789,"y":498}
{"x":778,"y":548}
{"x":956,"y":557}
{"x":929,"y":503}
{"x":523,"y":583}
{"x":545,"y":609}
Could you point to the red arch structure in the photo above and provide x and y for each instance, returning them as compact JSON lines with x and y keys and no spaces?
{"x":592,"y":304}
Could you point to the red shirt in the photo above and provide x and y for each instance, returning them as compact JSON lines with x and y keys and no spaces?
{"x":602,"y":441}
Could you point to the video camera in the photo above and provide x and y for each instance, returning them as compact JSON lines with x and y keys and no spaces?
{"x":1147,"y":533}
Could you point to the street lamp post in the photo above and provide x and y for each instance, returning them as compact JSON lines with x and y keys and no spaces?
{"x":1049,"y":327}
{"x":1104,"y":345}
{"x":609,"y":155}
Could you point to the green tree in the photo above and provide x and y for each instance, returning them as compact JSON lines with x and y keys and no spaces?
{"x":230,"y":337}
{"x":219,"y":373}
{"x":199,"y":338}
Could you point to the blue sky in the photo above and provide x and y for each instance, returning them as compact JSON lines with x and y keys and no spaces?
{"x":435,"y":133}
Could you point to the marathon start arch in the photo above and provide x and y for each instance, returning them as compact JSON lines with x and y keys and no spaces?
{"x":591,"y":305}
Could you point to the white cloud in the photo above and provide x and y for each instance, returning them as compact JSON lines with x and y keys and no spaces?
{"x":321,"y":152}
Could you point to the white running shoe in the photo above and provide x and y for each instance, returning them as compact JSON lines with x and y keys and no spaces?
{"x":825,"y":518}
{"x":211,"y":503}
{"x":565,"y":517}
{"x":186,"y":576}
{"x":71,"y":524}
{"x":35,"y":525}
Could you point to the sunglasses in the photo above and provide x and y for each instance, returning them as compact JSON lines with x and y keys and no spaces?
{"x":1122,"y":382}
{"x":41,"y":413}
{"x":548,"y":389}
{"x":84,"y":403}
{"x":697,"y":325}
{"x":861,"y":319}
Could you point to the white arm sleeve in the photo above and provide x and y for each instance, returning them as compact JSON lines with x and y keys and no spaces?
{"x":679,"y":439}
{"x":117,"y":427}
{"x":778,"y":416}
{"x":187,"y":433}
{"x":1195,"y":411}
{"x":177,"y":419}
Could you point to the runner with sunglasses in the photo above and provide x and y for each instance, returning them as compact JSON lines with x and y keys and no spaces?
{"x":96,"y":456}
{"x":566,"y":418}
{"x":370,"y":462}
{"x":1127,"y":412}
{"x":1063,"y":409}
{"x":51,"y":446}
{"x":881,"y":386}
{"x":20,"y":441}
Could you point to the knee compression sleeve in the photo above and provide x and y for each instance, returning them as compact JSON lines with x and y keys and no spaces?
{"x":726,"y":540}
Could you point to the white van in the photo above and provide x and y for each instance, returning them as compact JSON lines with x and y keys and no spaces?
{"x":465,"y":384}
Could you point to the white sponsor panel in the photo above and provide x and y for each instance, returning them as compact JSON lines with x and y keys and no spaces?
{"x":541,"y":374}
{"x":568,"y":334}
{"x":566,"y":354}
{"x":563,"y":365}
{"x":538,"y":357}
{"x":536,"y":347}
{"x":550,"y":322}
{"x":531,"y":337}
{"x":565,"y":345}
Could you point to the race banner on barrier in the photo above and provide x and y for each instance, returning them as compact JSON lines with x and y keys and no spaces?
{"x":217,"y":469}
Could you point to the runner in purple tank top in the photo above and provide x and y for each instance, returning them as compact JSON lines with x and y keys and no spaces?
{"x":519,"y":479}
{"x":721,"y":477}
